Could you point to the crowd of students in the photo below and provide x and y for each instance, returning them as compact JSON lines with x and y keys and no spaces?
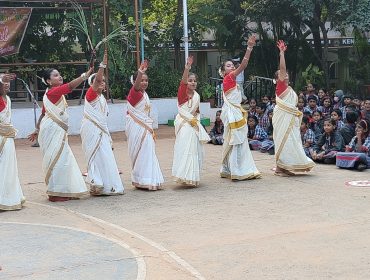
{"x":334,"y":127}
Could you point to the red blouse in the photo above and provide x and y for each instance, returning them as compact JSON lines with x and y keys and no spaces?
{"x":182,"y":95}
{"x":2,"y":104}
{"x":91,"y":94}
{"x":280,"y":87}
{"x":55,"y":93}
{"x":134,"y":96}
{"x":229,"y":82}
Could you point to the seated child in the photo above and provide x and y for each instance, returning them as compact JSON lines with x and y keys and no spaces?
{"x":329,"y":144}
{"x":326,"y":107}
{"x":348,"y":130}
{"x":317,"y":125}
{"x":217,"y":132}
{"x":307,"y":136}
{"x":337,"y":116}
{"x":357,"y":155}
{"x":255,"y":133}
{"x":262,"y":117}
{"x":268,"y":144}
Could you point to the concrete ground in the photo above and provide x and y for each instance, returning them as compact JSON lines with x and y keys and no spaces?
{"x":305,"y":227}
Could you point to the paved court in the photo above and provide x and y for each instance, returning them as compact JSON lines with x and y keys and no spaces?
{"x":304,"y":227}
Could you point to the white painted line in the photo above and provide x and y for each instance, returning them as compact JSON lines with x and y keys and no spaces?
{"x":152,"y":243}
{"x":141,"y":266}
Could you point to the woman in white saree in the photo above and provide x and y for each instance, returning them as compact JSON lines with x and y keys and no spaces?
{"x":62,"y":174}
{"x":146,"y":172}
{"x":102,"y":172}
{"x":237,"y":160}
{"x":11,"y":195}
{"x":190,"y":134}
{"x":289,"y":153}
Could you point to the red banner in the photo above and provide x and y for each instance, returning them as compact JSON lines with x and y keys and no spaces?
{"x":13,"y":24}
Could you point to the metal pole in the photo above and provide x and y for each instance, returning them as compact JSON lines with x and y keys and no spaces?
{"x":186,"y":38}
{"x":141,"y":29}
{"x":137,"y":35}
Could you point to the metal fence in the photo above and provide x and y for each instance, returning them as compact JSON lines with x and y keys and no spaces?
{"x":255,"y":88}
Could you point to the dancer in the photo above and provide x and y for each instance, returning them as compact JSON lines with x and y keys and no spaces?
{"x":146,"y":172}
{"x":102,"y":175}
{"x":289,"y":154}
{"x":190,"y":134}
{"x":237,"y":160}
{"x":62,"y":174}
{"x":11,"y":195}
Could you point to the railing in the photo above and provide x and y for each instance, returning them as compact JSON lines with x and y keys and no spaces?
{"x":258,"y":87}
{"x":255,"y":88}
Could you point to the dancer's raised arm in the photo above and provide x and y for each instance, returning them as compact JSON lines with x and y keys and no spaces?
{"x":282,"y":67}
{"x":187,"y":68}
{"x":99,"y":75}
{"x":143,"y":67}
{"x":76,"y":82}
{"x":251,"y":43}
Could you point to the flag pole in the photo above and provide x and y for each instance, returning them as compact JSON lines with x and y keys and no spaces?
{"x":137,"y":35}
{"x":186,"y":38}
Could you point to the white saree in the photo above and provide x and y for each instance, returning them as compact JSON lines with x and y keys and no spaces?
{"x":237,"y":159}
{"x":11,"y":195}
{"x":102,"y":171}
{"x":188,"y":149}
{"x":62,"y":174}
{"x":286,"y":120}
{"x":146,"y":172}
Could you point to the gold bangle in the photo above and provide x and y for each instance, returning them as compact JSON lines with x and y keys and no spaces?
{"x":250,"y":48}
{"x":187,"y":67}
{"x":245,"y":58}
{"x":141,"y":71}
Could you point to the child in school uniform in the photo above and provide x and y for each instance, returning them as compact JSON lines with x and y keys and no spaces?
{"x":337,"y":116}
{"x":261,"y":114}
{"x":252,"y":107}
{"x":307,"y":136}
{"x":357,"y":155}
{"x":217,"y":132}
{"x":256,"y":135}
{"x":329,"y":144}
{"x":268,"y":144}
{"x":326,"y":107}
{"x":317,"y":125}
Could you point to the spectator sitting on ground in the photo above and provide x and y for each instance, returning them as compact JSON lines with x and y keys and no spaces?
{"x":365,"y":114}
{"x":268,"y":144}
{"x":252,"y":107}
{"x":301,"y":104}
{"x":326,"y":107}
{"x":256,"y":135}
{"x":317,"y":125}
{"x":307,"y":136}
{"x":329,"y":144}
{"x":348,"y":130}
{"x":347,"y":101}
{"x":357,"y":155}
{"x":321,"y":94}
{"x":217,"y":132}
{"x":312,"y":105}
{"x":338,"y":98}
{"x":337,"y":116}
{"x":311,"y":91}
{"x":261,"y":114}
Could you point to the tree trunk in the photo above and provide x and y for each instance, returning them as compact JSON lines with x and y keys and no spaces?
{"x":325,"y":55}
{"x":177,"y":35}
